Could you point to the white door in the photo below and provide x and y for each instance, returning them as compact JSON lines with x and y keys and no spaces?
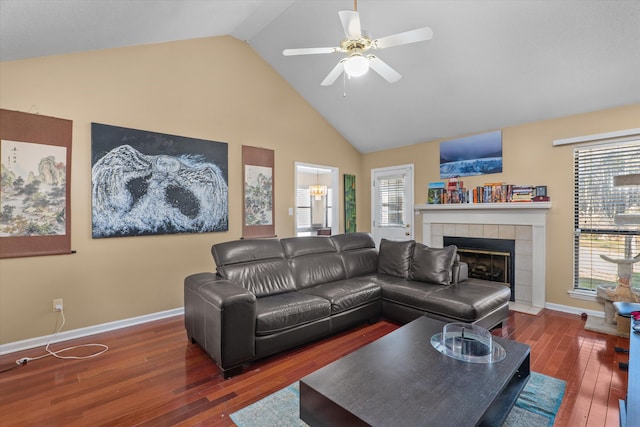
{"x":392,"y":203}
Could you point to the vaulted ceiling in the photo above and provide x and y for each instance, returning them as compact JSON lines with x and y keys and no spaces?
{"x":490,"y":64}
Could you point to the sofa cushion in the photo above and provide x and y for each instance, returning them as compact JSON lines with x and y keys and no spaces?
{"x":313,"y":260}
{"x":394,"y":257}
{"x":347,"y":294}
{"x":359,"y":262}
{"x":433,"y":265}
{"x":464,"y":302}
{"x":300,"y":246}
{"x":248,"y":250}
{"x":316,"y":269}
{"x":280,"y":312}
{"x":358,"y":252}
{"x":408,"y":292}
{"x":263,"y":278}
{"x":351,"y":241}
{"x":470,"y":300}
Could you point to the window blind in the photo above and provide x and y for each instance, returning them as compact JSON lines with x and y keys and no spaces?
{"x":329,"y":207}
{"x":391,"y":201}
{"x":599,"y":207}
{"x":304,"y":209}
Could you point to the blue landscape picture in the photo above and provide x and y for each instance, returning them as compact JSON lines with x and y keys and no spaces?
{"x":471,"y":155}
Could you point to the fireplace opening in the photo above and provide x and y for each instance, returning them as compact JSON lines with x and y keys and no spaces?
{"x":488,"y":259}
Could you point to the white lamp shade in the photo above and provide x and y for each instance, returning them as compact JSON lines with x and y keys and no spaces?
{"x":356,"y":65}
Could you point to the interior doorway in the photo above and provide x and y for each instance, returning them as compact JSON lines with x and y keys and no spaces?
{"x":317,"y":200}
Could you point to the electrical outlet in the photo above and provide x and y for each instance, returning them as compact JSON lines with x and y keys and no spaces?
{"x":57,"y":304}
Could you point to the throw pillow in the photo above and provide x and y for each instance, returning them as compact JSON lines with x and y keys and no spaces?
{"x":433,"y":265}
{"x":394,"y":257}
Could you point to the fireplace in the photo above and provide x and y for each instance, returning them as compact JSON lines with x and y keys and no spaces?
{"x":523,"y":222}
{"x":488,"y":259}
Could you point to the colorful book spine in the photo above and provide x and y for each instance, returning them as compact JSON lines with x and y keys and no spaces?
{"x":453,"y":191}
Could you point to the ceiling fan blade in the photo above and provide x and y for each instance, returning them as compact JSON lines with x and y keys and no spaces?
{"x":413,"y":36}
{"x":381,"y":67}
{"x":334,"y":74}
{"x":309,"y":51}
{"x":351,"y":24}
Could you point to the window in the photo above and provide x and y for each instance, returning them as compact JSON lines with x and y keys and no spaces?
{"x":329,"y":208}
{"x":306,"y":209}
{"x":390,"y":194}
{"x":600,"y":208}
{"x":303,"y":209}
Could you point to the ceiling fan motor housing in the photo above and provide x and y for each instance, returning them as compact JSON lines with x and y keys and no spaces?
{"x":363,"y":44}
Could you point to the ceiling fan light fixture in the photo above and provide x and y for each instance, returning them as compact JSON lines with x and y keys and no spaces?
{"x":356,"y":65}
{"x":356,"y":43}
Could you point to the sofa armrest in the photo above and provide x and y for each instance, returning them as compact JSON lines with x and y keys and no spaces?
{"x":221,"y":317}
{"x":459,"y":272}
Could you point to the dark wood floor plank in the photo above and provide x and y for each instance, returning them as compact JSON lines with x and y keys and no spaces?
{"x":152,"y":375}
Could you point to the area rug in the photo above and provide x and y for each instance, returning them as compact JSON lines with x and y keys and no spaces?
{"x":537,"y":406}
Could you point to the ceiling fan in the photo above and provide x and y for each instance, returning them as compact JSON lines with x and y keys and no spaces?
{"x":356,"y":45}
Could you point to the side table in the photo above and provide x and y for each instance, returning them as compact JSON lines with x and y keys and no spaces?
{"x":630,"y":408}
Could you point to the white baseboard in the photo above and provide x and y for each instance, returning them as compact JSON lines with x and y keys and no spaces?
{"x":13,"y":347}
{"x":573,"y":310}
{"x":90,"y":330}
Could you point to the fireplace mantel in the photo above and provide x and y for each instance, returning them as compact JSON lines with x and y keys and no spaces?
{"x":485,"y":206}
{"x":531,"y":214}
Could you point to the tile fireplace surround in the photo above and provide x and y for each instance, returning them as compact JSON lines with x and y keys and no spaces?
{"x":523,"y":222}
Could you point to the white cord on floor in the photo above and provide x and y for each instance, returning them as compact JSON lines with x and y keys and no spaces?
{"x":24,"y":360}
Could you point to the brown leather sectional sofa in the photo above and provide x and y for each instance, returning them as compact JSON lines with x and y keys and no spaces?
{"x":271,"y":295}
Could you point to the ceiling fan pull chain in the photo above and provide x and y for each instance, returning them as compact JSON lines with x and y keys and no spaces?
{"x":344,"y":85}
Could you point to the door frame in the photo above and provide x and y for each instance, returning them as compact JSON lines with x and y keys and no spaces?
{"x":335,"y":198}
{"x":409,"y":217}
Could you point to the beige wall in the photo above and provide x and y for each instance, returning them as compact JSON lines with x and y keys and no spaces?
{"x":216,"y":89}
{"x":219,"y":89}
{"x":528,"y":158}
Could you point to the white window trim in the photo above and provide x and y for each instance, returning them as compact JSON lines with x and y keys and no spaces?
{"x":601,"y":139}
{"x":583,"y":294}
{"x":618,"y":136}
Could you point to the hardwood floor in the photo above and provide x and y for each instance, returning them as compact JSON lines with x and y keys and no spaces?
{"x":152,"y":376}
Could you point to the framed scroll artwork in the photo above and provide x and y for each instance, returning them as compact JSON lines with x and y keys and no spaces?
{"x":258,"y":178}
{"x":35,"y":190}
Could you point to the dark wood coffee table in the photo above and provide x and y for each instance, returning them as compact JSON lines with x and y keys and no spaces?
{"x":400,"y":379}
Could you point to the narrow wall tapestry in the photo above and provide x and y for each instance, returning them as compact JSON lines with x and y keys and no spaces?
{"x":349,"y":203}
{"x":257,"y":173}
{"x":35,"y":187}
{"x":258,"y":201}
{"x":149,"y":183}
{"x":471,"y":155}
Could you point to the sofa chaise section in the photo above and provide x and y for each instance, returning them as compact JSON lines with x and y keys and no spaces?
{"x":470,"y":301}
